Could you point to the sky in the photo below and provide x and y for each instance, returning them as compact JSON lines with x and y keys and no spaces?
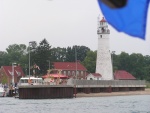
{"x":63,"y":23}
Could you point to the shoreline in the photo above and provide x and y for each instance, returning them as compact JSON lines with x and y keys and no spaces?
{"x":126,"y":93}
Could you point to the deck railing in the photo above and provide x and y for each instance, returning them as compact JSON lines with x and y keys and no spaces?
{"x":107,"y":83}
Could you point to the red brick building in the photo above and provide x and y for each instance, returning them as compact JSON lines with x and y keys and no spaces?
{"x":6,"y":73}
{"x":70,"y":69}
{"x":123,"y":75}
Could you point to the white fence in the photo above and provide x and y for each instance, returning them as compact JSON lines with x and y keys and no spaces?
{"x":107,"y":83}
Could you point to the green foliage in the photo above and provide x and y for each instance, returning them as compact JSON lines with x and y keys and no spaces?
{"x":123,"y":61}
{"x":136,"y":64}
{"x":4,"y":79}
{"x":58,"y":54}
{"x":70,"y":54}
{"x":90,"y":61}
{"x":147,"y":84}
{"x":80,"y":52}
{"x":4,"y":58}
{"x":41,"y":55}
{"x":16,"y":53}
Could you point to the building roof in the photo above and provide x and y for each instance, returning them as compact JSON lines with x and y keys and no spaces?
{"x":103,"y":20}
{"x":17,"y":71}
{"x":69,"y":66}
{"x":55,"y":76}
{"x":96,"y":74}
{"x":123,"y":75}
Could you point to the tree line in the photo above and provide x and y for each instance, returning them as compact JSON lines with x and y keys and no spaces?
{"x":135,"y":63}
{"x":43,"y":55}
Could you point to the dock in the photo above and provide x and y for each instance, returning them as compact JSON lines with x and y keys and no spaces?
{"x":74,"y":87}
{"x":100,"y":86}
{"x":45,"y":91}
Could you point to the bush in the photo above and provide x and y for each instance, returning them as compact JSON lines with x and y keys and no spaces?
{"x":147,"y":84}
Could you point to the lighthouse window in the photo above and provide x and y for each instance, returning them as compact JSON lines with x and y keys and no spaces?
{"x":101,"y":36}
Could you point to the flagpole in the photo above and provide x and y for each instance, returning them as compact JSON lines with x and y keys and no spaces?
{"x":76,"y":72}
{"x":29,"y":59}
{"x":33,"y":43}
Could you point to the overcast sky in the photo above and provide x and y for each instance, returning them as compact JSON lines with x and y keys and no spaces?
{"x":63,"y":23}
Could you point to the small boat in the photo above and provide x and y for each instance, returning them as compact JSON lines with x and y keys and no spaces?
{"x":2,"y":92}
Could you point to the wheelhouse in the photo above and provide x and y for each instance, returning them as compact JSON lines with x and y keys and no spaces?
{"x":30,"y":81}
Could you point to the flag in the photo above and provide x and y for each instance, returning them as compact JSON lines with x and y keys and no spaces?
{"x":36,"y":67}
{"x":130,"y":19}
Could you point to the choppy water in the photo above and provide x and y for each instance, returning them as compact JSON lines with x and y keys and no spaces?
{"x":115,"y":104}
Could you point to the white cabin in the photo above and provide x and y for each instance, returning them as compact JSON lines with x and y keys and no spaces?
{"x":34,"y":81}
{"x":94,"y":76}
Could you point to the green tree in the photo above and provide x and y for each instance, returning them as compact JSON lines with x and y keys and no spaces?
{"x":115,"y":61}
{"x":58,"y":54}
{"x":4,"y":58}
{"x":70,"y":54}
{"x":81,"y":52}
{"x":123,"y":61}
{"x":136,"y":65}
{"x":41,"y":55}
{"x":16,"y":53}
{"x":147,"y":67}
{"x":90,"y":61}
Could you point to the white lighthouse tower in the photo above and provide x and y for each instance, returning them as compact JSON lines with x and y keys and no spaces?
{"x":103,"y":63}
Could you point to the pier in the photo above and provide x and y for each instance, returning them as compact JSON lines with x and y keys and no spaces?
{"x":79,"y":86}
{"x":99,"y":86}
{"x":45,"y":91}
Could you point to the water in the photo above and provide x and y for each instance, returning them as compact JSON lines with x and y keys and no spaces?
{"x":114,"y":104}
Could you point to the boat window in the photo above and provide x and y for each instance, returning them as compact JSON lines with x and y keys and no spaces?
{"x":35,"y":80}
{"x":39,"y":81}
{"x":22,"y":81}
{"x":26,"y":81}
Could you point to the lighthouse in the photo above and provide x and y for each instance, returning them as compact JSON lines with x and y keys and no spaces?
{"x":103,"y":61}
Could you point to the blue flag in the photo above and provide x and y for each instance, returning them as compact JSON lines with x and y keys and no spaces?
{"x":130,"y":19}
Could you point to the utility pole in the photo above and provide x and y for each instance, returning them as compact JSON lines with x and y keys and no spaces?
{"x":13,"y":65}
{"x":33,"y":44}
{"x":76,"y":72}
